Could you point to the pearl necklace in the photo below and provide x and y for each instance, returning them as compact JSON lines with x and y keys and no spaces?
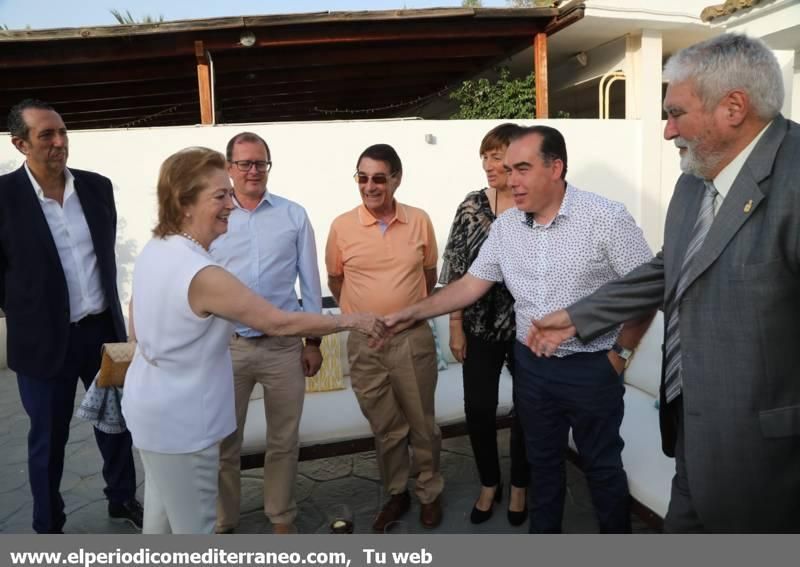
{"x":191,"y":238}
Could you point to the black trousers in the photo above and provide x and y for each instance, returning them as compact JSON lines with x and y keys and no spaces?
{"x":49,"y":403}
{"x":481,"y":370}
{"x":582,"y":392}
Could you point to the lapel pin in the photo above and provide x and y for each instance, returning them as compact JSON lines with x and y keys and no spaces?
{"x":748,"y":206}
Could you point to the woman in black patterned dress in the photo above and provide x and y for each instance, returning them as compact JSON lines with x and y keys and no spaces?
{"x":482,"y":335}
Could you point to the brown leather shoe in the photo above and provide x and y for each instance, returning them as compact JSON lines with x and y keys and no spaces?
{"x":283,"y":529}
{"x":395,"y":507}
{"x":430,"y":515}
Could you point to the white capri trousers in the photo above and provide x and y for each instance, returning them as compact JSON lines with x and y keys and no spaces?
{"x":180,"y":491}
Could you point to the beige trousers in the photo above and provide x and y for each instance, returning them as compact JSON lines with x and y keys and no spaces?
{"x":275,"y":363}
{"x":395,"y":388}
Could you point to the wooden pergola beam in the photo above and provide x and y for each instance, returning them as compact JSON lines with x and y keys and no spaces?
{"x":135,"y":48}
{"x":204,"y":84}
{"x":540,"y":70}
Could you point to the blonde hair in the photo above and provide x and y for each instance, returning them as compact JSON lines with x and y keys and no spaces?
{"x":182,"y":176}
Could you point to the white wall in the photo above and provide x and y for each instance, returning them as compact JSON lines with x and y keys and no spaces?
{"x":314,"y":163}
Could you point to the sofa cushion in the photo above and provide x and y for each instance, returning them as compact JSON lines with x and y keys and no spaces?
{"x":441,"y":362}
{"x":3,"y":359}
{"x":339,"y":365}
{"x":442,"y":324}
{"x":344,"y":362}
{"x":645,"y":369}
{"x":330,"y":375}
{"x":649,"y":471}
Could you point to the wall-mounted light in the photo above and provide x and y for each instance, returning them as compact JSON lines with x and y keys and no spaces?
{"x":247,"y":39}
{"x":582,"y":58}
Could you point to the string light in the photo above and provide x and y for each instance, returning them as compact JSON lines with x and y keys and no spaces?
{"x":328,"y":111}
{"x":372,"y":110}
{"x":147,"y":118}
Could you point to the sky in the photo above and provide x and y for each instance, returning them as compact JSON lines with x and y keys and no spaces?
{"x":43,"y":14}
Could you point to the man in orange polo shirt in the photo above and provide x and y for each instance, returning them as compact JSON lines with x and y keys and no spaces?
{"x":381,"y":257}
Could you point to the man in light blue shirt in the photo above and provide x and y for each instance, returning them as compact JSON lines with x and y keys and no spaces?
{"x":269,"y":244}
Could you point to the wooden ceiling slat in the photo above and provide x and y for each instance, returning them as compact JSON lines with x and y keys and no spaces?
{"x":56,"y":76}
{"x":381,"y":55}
{"x":61,"y":96}
{"x":65,"y":96}
{"x":252,"y":61}
{"x":237,"y":80}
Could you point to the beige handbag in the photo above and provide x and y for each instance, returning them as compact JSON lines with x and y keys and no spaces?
{"x":116,"y":359}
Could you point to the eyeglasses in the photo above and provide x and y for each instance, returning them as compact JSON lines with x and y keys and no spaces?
{"x":377,"y":179}
{"x":246,"y":164}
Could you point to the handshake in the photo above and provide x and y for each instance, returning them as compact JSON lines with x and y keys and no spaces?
{"x":378,"y":328}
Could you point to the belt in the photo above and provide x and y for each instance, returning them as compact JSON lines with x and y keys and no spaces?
{"x":238,"y":336}
{"x":90,"y":319}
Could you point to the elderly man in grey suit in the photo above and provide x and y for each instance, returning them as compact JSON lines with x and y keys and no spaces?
{"x":728,"y":279}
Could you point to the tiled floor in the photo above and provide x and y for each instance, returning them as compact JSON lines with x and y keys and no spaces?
{"x":322,"y":485}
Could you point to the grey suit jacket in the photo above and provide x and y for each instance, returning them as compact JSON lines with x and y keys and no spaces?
{"x":739,"y":340}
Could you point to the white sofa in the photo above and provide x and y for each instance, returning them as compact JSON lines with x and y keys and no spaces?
{"x":334,"y":418}
{"x":3,"y":358}
{"x":649,"y":471}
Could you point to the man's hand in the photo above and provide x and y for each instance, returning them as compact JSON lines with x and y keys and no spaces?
{"x":312,"y":360}
{"x":549,"y":332}
{"x":399,"y":321}
{"x":458,"y":340}
{"x":616,"y":361}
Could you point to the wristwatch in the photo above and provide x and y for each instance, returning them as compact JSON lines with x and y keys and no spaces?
{"x":316,"y":341}
{"x":625,"y":354}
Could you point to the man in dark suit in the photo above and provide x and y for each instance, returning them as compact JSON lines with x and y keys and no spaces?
{"x":728,"y":279}
{"x":58,"y":290}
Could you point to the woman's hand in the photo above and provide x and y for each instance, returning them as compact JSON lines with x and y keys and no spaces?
{"x":458,"y":340}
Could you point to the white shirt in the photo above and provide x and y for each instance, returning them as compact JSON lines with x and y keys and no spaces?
{"x":75,"y":248}
{"x":589,"y":242}
{"x":179,"y":387}
{"x":725,"y":178}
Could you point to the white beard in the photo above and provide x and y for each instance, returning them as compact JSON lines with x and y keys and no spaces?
{"x":694,"y":164}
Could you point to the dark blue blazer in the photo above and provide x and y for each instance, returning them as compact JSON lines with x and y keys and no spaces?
{"x":33,"y":289}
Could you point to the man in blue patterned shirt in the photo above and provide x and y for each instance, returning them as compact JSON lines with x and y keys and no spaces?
{"x":559,"y":244}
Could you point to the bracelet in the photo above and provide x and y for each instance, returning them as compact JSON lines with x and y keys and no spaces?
{"x":315,"y":341}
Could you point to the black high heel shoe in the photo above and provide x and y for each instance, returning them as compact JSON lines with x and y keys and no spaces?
{"x":479,"y":516}
{"x":517,"y":518}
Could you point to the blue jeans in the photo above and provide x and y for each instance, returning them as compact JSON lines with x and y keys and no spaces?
{"x":582,"y":392}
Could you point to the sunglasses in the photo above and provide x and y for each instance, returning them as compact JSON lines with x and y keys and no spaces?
{"x":377,"y":179}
